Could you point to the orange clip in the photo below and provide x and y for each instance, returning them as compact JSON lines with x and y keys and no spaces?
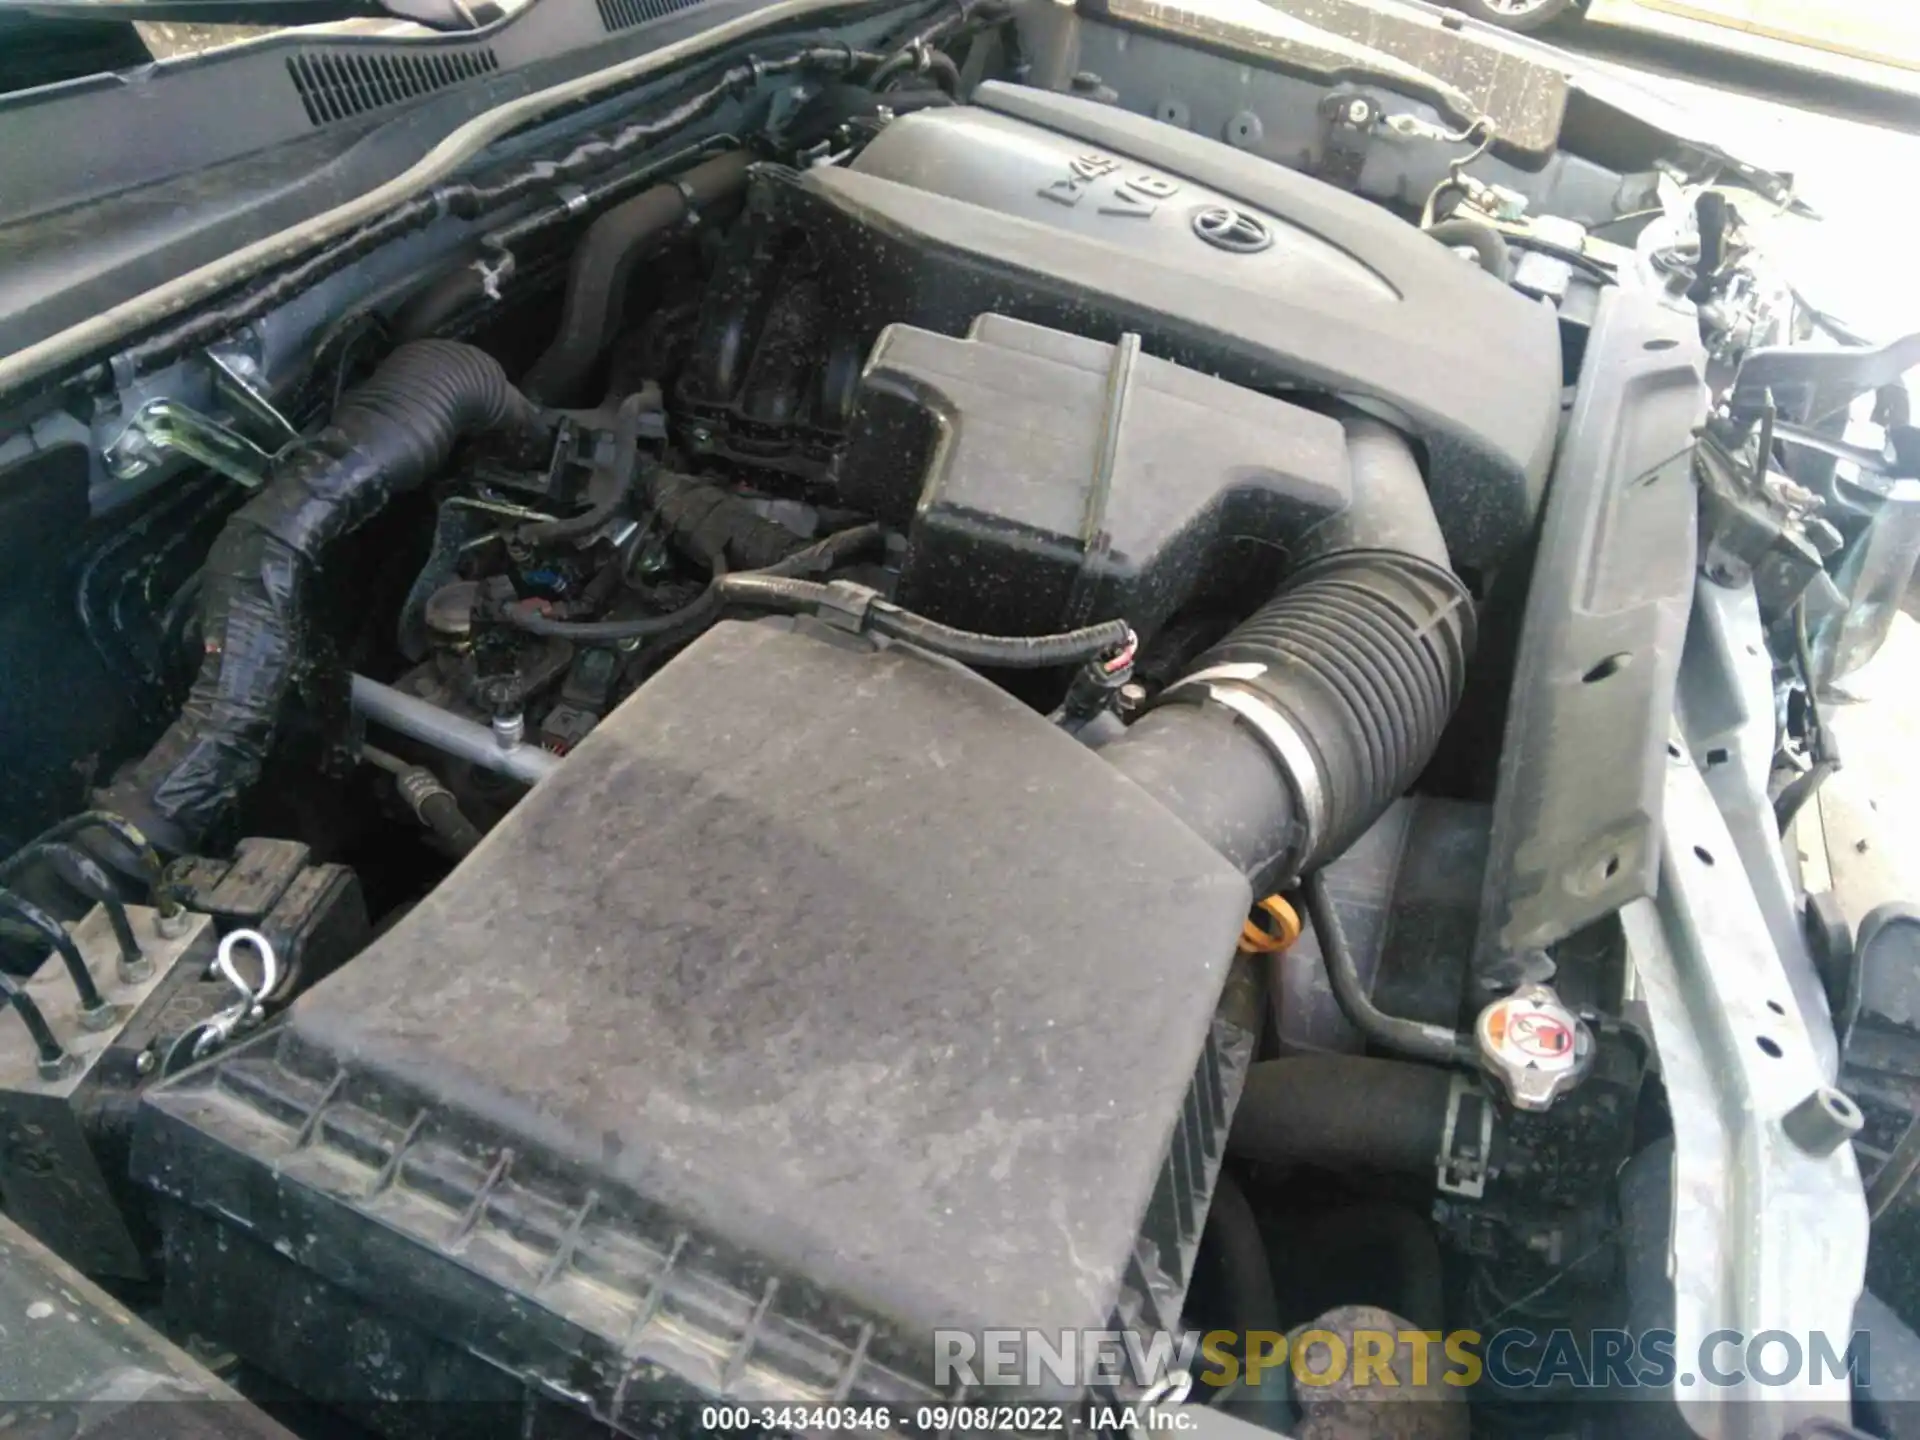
{"x":1259,"y":939}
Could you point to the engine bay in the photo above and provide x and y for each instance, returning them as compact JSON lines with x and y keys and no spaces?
{"x":886,"y":704}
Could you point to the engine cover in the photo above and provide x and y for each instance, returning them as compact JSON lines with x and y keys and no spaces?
{"x":1071,"y":214}
{"x":825,"y":996}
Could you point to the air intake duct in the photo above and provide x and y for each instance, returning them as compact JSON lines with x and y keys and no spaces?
{"x":1288,"y":738}
{"x":387,"y":435}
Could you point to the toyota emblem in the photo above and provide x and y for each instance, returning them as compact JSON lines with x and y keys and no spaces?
{"x":1227,"y":228}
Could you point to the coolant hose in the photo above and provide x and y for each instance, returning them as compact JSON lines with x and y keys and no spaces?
{"x":1343,"y":1112}
{"x":1286,"y":740}
{"x":387,"y":436}
{"x":603,"y":265}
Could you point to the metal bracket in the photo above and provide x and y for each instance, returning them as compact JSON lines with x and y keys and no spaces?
{"x":1898,"y":457}
{"x":1810,"y":384}
{"x":236,"y":380}
{"x":163,"y":425}
{"x":1766,"y":1233}
{"x":1347,"y":120}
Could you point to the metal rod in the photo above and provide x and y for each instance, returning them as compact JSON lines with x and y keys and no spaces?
{"x":451,"y":734}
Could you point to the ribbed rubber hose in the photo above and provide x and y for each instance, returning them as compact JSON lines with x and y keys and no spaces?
{"x":1314,"y":715}
{"x":1365,"y":655}
{"x":387,"y":436}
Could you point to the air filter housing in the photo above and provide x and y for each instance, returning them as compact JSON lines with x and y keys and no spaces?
{"x":825,"y":998}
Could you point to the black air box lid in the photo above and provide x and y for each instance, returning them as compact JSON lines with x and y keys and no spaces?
{"x":840,"y":961}
{"x":1067,"y":480}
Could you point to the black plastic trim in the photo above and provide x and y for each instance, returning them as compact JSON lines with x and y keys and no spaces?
{"x":63,"y":144}
{"x":619,"y":15}
{"x":1577,"y":810}
{"x":96,"y":219}
{"x":337,"y":83}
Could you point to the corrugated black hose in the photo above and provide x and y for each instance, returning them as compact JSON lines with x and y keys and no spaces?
{"x":387,"y":436}
{"x":1286,"y":740}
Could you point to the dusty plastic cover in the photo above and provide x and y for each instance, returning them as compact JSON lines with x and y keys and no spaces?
{"x":1064,"y":212}
{"x":827,"y":991}
{"x":1051,"y":480}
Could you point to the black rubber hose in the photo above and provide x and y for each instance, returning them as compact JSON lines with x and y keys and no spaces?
{"x":1486,"y":243}
{"x":817,"y":558}
{"x":431,"y":310}
{"x":437,"y":808}
{"x":44,"y":1041}
{"x":56,"y":936}
{"x":1343,"y":1112}
{"x":1358,"y":666}
{"x":1340,"y":686}
{"x":924,"y":61}
{"x":387,"y":436}
{"x":1408,"y":1037}
{"x":1244,"y":1272}
{"x":1242,"y":1278}
{"x":1004,"y":652}
{"x":603,"y":265}
{"x":1578,"y":259}
{"x":622,"y":468}
{"x":633,"y":627}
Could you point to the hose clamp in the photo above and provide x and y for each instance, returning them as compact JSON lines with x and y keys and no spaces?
{"x":1224,"y":685}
